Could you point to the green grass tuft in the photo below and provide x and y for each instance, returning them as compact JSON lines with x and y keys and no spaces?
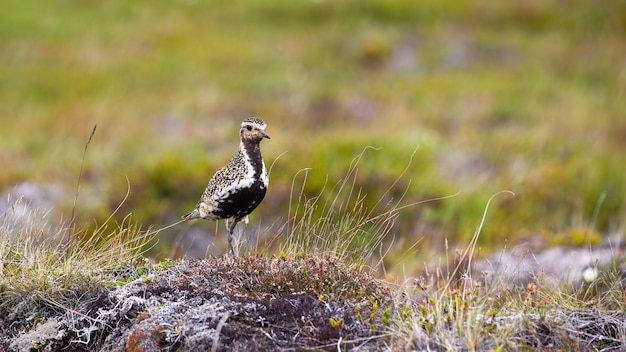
{"x":48,"y":261}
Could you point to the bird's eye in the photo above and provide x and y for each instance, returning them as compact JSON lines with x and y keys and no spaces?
{"x":249,"y":128}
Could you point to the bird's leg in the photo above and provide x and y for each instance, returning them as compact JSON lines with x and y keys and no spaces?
{"x":231,"y":223}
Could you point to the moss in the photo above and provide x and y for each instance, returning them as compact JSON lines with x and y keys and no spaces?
{"x":576,"y":237}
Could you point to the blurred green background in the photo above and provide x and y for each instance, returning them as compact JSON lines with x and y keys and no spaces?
{"x":527,"y":96}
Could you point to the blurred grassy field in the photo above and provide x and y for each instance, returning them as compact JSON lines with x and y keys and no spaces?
{"x":527,"y":96}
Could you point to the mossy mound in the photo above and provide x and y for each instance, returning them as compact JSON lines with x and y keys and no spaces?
{"x":218,"y":303}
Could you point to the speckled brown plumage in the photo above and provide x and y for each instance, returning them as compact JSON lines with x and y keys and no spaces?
{"x":239,"y":187}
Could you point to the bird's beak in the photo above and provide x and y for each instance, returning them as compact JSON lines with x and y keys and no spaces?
{"x":265,"y":135}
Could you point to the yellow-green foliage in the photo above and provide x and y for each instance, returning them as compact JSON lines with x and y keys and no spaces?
{"x":501,"y":95}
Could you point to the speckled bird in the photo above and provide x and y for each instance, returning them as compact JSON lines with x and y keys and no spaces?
{"x":239,"y":187}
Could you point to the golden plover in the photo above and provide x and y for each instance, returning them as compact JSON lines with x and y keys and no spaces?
{"x":237,"y":188}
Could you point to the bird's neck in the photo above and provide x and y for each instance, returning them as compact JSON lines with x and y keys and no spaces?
{"x":252,"y":154}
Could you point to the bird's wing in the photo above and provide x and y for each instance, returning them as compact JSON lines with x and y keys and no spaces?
{"x":227,"y":180}
{"x":229,"y":183}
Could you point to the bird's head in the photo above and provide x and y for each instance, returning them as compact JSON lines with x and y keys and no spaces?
{"x":253,"y":129}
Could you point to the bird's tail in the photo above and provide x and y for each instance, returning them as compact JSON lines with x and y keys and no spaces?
{"x":193,"y":215}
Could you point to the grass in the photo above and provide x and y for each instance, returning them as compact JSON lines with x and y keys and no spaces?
{"x":485,"y":313}
{"x":333,"y":250}
{"x":48,"y":261}
{"x":455,"y":307}
{"x":496,"y":96}
{"x":338,"y":222}
{"x":525,"y":97}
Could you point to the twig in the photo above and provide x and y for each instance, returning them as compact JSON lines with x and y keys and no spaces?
{"x":218,"y":329}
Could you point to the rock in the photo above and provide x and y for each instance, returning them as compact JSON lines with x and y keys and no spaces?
{"x":563,"y":265}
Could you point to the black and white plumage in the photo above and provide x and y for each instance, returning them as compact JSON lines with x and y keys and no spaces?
{"x":239,"y":187}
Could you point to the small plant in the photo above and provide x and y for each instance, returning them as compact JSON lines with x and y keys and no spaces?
{"x":38,"y":346}
{"x":386,"y":316}
{"x":357,"y":312}
{"x":164,"y":264}
{"x":282,"y":255}
{"x":374,"y":308}
{"x":336,"y":324}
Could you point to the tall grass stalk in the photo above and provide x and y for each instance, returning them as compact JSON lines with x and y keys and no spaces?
{"x":80,"y":174}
